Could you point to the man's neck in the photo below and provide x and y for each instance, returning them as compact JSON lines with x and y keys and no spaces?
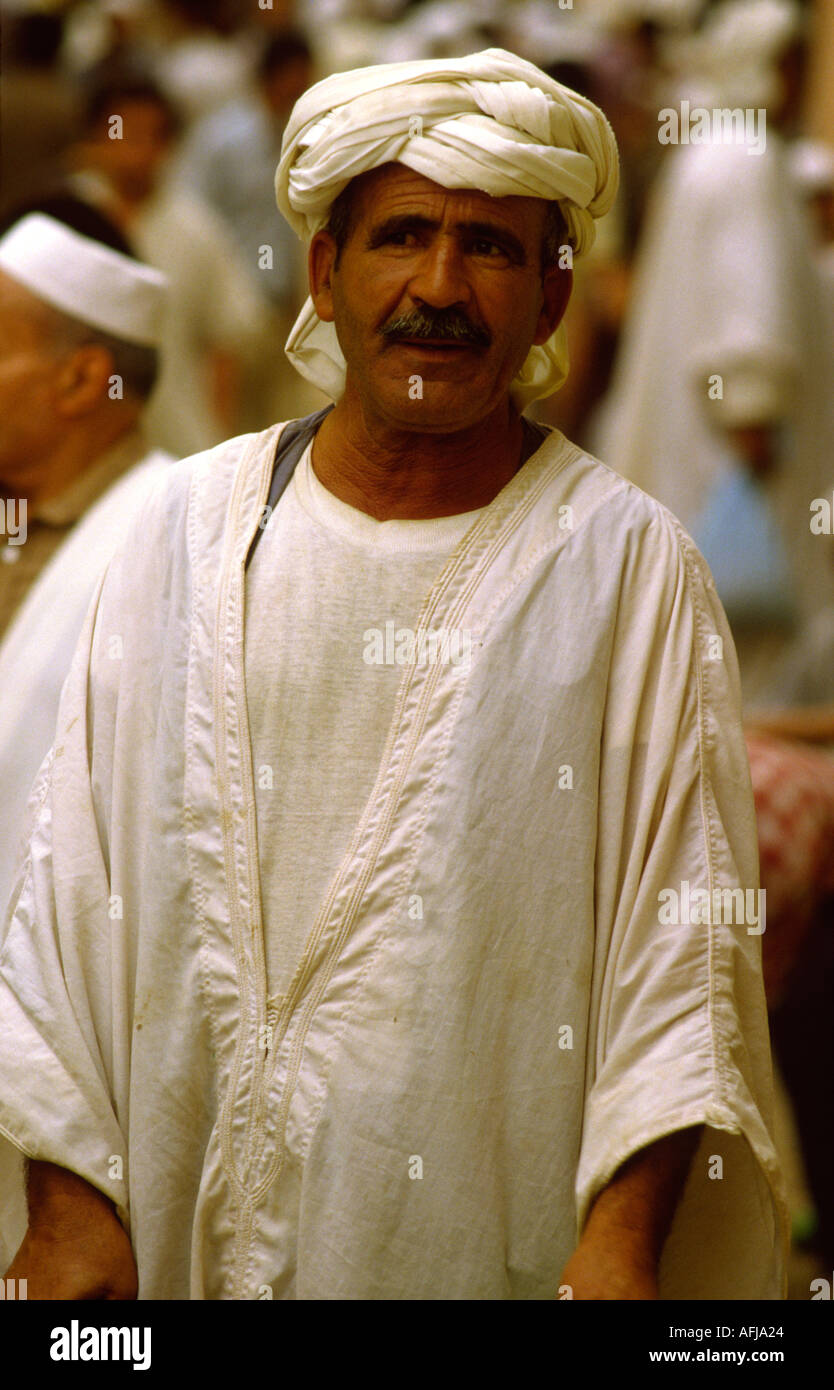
{"x":79,"y":451}
{"x":391,"y":473}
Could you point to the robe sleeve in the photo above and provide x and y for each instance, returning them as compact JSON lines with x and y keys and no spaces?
{"x":678,"y":1025}
{"x":60,"y":1017}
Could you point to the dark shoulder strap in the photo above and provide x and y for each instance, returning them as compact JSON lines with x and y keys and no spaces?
{"x":291,"y":445}
{"x":297,"y":435}
{"x":534,"y":435}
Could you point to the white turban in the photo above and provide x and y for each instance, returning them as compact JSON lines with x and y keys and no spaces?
{"x":490,"y":121}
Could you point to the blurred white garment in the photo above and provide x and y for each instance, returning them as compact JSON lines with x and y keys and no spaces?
{"x":734,"y":54}
{"x":228,"y":160}
{"x":203,"y":71}
{"x":806,"y":675}
{"x":540,"y":31}
{"x":725,"y":301}
{"x":93,"y":29}
{"x":436,"y":28}
{"x":345,"y":42}
{"x":35,"y":656}
{"x":213,"y":307}
{"x":37,"y":647}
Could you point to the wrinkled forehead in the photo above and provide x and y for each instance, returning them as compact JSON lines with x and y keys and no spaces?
{"x":393,"y":189}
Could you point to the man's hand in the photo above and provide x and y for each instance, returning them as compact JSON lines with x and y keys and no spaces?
{"x":619,"y":1252}
{"x":75,"y":1246}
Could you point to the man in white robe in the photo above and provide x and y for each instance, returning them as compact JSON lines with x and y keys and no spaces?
{"x":213,"y":322}
{"x":75,"y":312}
{"x":725,"y":351}
{"x":373,"y":939}
{"x":228,"y":161}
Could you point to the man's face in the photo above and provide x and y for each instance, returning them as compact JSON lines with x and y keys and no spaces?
{"x":133,"y":162}
{"x":439,"y":284}
{"x":28,"y":418}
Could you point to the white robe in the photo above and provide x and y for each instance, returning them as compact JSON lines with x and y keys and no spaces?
{"x":35,"y":656}
{"x":422,"y":1125}
{"x":37,"y":648}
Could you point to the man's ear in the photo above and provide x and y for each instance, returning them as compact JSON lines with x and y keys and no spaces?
{"x":320,"y":261}
{"x":556,"y":288}
{"x":83,"y":380}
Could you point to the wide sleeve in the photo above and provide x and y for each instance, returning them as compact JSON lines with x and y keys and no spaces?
{"x":68,"y":948}
{"x":678,"y":1026}
{"x":62,"y":949}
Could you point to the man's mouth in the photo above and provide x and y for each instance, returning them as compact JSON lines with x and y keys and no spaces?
{"x":437,"y":343}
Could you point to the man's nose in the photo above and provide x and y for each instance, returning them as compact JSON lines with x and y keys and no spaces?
{"x":440,"y":278}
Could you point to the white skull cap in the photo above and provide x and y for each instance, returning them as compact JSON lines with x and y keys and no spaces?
{"x":84,"y":279}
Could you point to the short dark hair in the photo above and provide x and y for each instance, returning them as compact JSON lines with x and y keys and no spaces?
{"x":340,"y":223}
{"x":74,"y":212}
{"x":137,"y":365}
{"x":340,"y":220}
{"x":113,"y":89}
{"x":286,"y":48}
{"x":554,"y":237}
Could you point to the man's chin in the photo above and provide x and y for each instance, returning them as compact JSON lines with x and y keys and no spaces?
{"x":433,"y":406}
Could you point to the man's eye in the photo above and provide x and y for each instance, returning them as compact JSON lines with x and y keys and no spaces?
{"x":483,"y":246}
{"x":398,"y":238}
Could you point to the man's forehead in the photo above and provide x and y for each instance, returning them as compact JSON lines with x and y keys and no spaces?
{"x":16,"y":298}
{"x":21,"y":305}
{"x":394,"y":188}
{"x":138,"y":111}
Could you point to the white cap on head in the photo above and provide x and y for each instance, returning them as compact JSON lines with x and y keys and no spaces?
{"x":85,"y":279}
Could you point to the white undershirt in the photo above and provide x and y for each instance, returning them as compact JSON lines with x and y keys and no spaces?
{"x":319,"y":712}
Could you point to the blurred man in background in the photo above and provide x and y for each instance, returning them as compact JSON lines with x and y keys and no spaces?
{"x":228,"y":160}
{"x":720,"y":404}
{"x":79,"y":331}
{"x":213,"y":326}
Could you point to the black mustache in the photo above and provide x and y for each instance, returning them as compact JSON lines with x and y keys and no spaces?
{"x":444,"y":325}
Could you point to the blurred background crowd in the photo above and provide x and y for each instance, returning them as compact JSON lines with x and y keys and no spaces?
{"x":701,"y":332}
